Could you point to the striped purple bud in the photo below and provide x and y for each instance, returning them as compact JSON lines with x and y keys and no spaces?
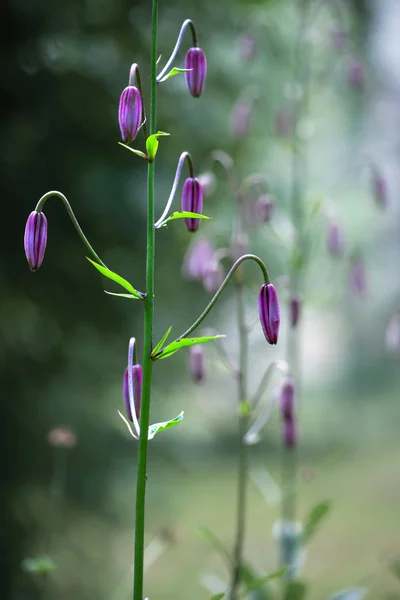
{"x":287,"y":399}
{"x":294,"y":309}
{"x":35,"y":239}
{"x":197,"y":363}
{"x":269,"y":312}
{"x":137,"y":377}
{"x":192,"y":201}
{"x":334,"y":241}
{"x":196,"y":77}
{"x":290,"y":433}
{"x":130,"y":113}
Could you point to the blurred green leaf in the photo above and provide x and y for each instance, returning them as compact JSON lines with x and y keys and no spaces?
{"x":256,"y":583}
{"x":295,"y":590}
{"x":183,"y":343}
{"x":138,"y":152}
{"x":395,"y":567}
{"x":39,"y":564}
{"x":162,"y":341}
{"x":218,"y":596}
{"x":173,"y":72}
{"x":317,"y":514}
{"x":182,"y":215}
{"x":152,"y":144}
{"x":216,"y":543}
{"x":130,"y":296}
{"x":157,"y":427}
{"x":350,"y":594}
{"x":244,"y":408}
{"x":117,"y":278}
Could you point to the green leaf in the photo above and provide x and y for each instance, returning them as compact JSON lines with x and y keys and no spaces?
{"x":395,"y":567}
{"x":156,"y":427}
{"x":117,"y":278}
{"x":183,"y":215}
{"x":178,"y":344}
{"x":350,"y":594}
{"x":317,"y":514}
{"x":216,"y":543}
{"x":244,"y":408}
{"x":162,"y":341}
{"x":39,"y":564}
{"x":152,"y":144}
{"x":259,"y":581}
{"x":295,"y":590}
{"x":130,"y":296}
{"x":173,"y":72}
{"x":138,"y":152}
{"x":217,"y":596}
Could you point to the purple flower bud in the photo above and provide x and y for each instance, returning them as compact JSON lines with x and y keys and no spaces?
{"x":192,"y":201}
{"x":263,"y":208}
{"x":213,"y":276}
{"x":197,"y":363}
{"x":358,"y":280}
{"x":379,"y":187}
{"x":35,"y":239}
{"x":339,"y":38}
{"x":269,"y":312}
{"x":355,"y":73}
{"x":334,"y":240}
{"x":130,"y":113}
{"x":196,"y":78}
{"x":287,"y":398}
{"x":240,"y":118}
{"x":392,"y":335}
{"x":137,"y":376}
{"x":246,"y":47}
{"x":290,"y":433}
{"x":196,"y":260}
{"x":295,"y":309}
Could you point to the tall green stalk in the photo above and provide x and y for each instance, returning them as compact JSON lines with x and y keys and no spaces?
{"x":148,"y":332}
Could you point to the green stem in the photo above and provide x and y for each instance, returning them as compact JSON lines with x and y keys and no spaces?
{"x":74,"y":220}
{"x":148,"y":333}
{"x":243,"y":459}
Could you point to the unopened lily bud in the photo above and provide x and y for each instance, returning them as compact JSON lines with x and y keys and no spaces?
{"x":379,"y":187}
{"x":192,"y":201}
{"x":358,"y":279}
{"x":62,"y":436}
{"x":246,"y":47}
{"x":130,"y":113}
{"x":392,"y":335}
{"x":196,"y":77}
{"x":269,"y":312}
{"x":208,"y":182}
{"x":287,"y":400}
{"x":335,"y":242}
{"x":263,"y":208}
{"x":355,"y":73}
{"x":295,"y":304}
{"x":290,"y":433}
{"x":213,"y":276}
{"x":35,"y":239}
{"x":197,"y":363}
{"x":196,"y":260}
{"x":240,"y":118}
{"x":137,"y":377}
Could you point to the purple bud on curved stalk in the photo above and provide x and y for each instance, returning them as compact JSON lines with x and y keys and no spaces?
{"x":379,"y":188}
{"x":196,"y":77}
{"x":192,"y":201}
{"x":196,"y":260}
{"x":334,"y":240}
{"x":295,"y":309}
{"x":137,"y":377}
{"x":213,"y":276}
{"x":269,"y":312}
{"x":130,"y":113}
{"x":287,"y":399}
{"x":290,"y":433}
{"x":197,"y":363}
{"x":35,"y":239}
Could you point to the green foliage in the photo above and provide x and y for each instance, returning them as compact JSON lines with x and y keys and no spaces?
{"x":134,"y":150}
{"x":157,"y":427}
{"x":295,"y":590}
{"x":316,"y":516}
{"x":182,"y":215}
{"x":118,"y":279}
{"x":184,"y":343}
{"x":152,"y":144}
{"x":173,"y":72}
{"x":38,"y":564}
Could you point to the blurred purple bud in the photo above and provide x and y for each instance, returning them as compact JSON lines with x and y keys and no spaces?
{"x":240,"y":118}
{"x":246,"y":47}
{"x":287,"y":399}
{"x":197,"y":257}
{"x":290,"y":433}
{"x":197,"y":363}
{"x":339,"y":38}
{"x":240,"y":246}
{"x":263,"y":208}
{"x":208,"y":183}
{"x":392,"y":335}
{"x":269,"y":312}
{"x":335,"y":240}
{"x":192,"y":201}
{"x":130,"y":113}
{"x":283,"y":122}
{"x":35,"y":239}
{"x":62,"y":436}
{"x":137,"y":377}
{"x":213,"y":276}
{"x":295,"y":305}
{"x":196,"y":78}
{"x":379,"y":187}
{"x":355,"y":73}
{"x":358,"y":280}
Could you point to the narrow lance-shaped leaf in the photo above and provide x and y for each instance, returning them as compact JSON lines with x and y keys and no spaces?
{"x":162,"y":341}
{"x":317,"y":514}
{"x":117,"y":278}
{"x":216,"y":543}
{"x":259,"y":581}
{"x":38,"y":564}
{"x":172,"y":73}
{"x":183,"y":343}
{"x":138,"y":152}
{"x":157,"y":427}
{"x":130,"y":296}
{"x":152,"y":144}
{"x":217,"y":596}
{"x":295,"y":590}
{"x":183,"y":215}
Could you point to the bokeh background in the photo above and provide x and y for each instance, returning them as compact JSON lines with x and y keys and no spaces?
{"x":64,"y":342}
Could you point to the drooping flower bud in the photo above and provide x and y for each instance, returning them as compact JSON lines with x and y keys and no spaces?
{"x":287,"y":399}
{"x":35,"y":239}
{"x":335,"y":242}
{"x":137,"y":377}
{"x":295,"y":309}
{"x":355,"y":73}
{"x":263,"y":208}
{"x":358,"y":279}
{"x":269,"y":312}
{"x":196,"y":260}
{"x":379,"y":188}
{"x":289,"y":432}
{"x":213,"y":276}
{"x":241,"y":118}
{"x":192,"y":201}
{"x":196,"y":77}
{"x":130,"y":113}
{"x":197,"y":363}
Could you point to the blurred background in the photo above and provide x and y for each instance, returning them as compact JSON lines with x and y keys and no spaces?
{"x":64,"y":342}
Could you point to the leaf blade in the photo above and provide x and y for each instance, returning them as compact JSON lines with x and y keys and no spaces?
{"x":116,"y":278}
{"x":164,"y":425}
{"x":317,"y":514}
{"x":173,"y":72}
{"x":137,"y":152}
{"x":184,"y":343}
{"x":162,"y":341}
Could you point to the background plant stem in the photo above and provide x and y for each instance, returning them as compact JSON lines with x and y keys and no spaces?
{"x":148,"y":333}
